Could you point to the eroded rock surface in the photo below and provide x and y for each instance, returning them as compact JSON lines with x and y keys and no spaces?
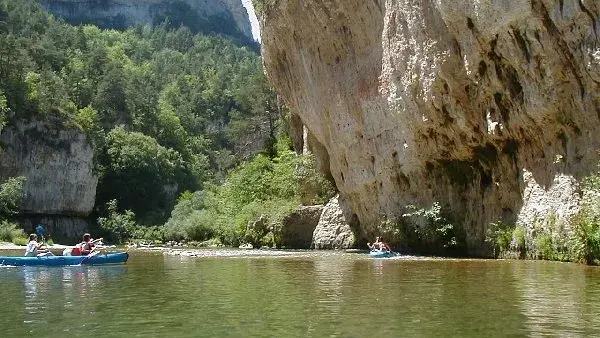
{"x":58,"y":165}
{"x":470,"y":103}
{"x":298,"y":227}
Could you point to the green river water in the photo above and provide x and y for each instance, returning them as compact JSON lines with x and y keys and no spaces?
{"x":302,"y":294}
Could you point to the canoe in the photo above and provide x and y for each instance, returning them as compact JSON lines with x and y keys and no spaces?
{"x":111,"y":258}
{"x":381,"y":254}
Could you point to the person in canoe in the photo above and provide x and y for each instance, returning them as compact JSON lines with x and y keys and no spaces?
{"x":379,"y":245}
{"x":35,"y":249}
{"x":86,"y":247}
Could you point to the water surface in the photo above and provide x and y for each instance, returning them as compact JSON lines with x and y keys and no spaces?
{"x":301,"y":295}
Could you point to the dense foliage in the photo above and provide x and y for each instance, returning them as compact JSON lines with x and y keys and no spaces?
{"x":267,"y":187}
{"x":11,"y":193}
{"x":423,"y":230}
{"x":10,"y":197}
{"x":166,"y":109}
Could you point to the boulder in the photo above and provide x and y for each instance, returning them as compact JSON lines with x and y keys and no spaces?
{"x":333,"y":230}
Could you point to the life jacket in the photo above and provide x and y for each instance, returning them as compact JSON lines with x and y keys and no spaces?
{"x":76,"y":250}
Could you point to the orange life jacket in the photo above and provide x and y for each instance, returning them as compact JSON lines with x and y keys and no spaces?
{"x":76,"y":250}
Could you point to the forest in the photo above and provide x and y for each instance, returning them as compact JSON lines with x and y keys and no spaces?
{"x":182,"y":123}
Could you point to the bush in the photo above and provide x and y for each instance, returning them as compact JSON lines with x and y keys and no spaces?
{"x":117,"y":227}
{"x":584,"y":246}
{"x":434,"y":233}
{"x":148,"y":234}
{"x":11,"y":193}
{"x":266,"y":187}
{"x":262,"y":7}
{"x":544,"y":246}
{"x":20,"y":241}
{"x":10,"y":232}
{"x":518,"y":236}
{"x":500,"y":237}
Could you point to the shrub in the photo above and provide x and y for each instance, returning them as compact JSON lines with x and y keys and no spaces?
{"x":262,"y":7}
{"x":314,"y":187}
{"x":11,"y":193}
{"x":500,"y":237}
{"x":518,"y":236}
{"x":428,"y":229}
{"x":20,"y":240}
{"x":10,"y":232}
{"x":544,"y":246}
{"x":148,"y":234}
{"x":269,"y":187}
{"x":117,"y":227}
{"x":585,"y":244}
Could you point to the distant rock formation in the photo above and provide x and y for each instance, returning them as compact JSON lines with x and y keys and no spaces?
{"x":61,"y":184}
{"x":208,"y":16}
{"x":491,"y":108}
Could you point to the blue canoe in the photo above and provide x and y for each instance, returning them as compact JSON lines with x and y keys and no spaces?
{"x":111,"y":258}
{"x":382,"y":254}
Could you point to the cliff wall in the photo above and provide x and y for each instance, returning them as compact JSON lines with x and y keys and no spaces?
{"x":58,"y":163}
{"x":490,"y":107}
{"x":221,"y":16}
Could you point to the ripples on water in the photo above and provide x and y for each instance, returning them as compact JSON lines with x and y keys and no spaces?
{"x":302,"y":294}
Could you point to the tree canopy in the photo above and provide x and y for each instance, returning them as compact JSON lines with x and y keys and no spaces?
{"x":166,"y":109}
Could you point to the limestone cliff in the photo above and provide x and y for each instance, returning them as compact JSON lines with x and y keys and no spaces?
{"x":58,"y":163}
{"x":207,"y":15}
{"x":490,"y":107}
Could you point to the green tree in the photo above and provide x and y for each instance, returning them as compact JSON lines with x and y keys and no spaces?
{"x":140,"y":171}
{"x":11,"y":194}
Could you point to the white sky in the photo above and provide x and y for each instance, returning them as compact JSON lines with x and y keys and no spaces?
{"x":253,"y":20}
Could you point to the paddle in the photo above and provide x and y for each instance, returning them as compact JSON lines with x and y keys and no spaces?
{"x":90,"y":255}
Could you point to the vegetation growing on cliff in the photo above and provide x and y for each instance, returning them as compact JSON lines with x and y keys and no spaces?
{"x":423,"y":230}
{"x":553,"y":240}
{"x":263,"y":6}
{"x":167,"y":110}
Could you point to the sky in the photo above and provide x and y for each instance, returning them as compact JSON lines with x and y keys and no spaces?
{"x":253,"y":20}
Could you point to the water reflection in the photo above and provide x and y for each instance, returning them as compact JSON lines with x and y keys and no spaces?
{"x":555,"y":300}
{"x":53,"y":293}
{"x":329,"y":295}
{"x":35,"y":305}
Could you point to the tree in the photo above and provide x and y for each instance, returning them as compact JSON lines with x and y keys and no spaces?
{"x":11,"y":193}
{"x":141,"y":172}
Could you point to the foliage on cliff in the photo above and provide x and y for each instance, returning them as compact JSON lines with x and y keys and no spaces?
{"x":165,"y":109}
{"x":263,"y":6}
{"x":554,"y":239}
{"x":268,"y":187}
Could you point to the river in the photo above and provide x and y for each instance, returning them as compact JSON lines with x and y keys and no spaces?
{"x":302,"y":294}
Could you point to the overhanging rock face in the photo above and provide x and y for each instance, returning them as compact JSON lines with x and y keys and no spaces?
{"x":484,"y":106}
